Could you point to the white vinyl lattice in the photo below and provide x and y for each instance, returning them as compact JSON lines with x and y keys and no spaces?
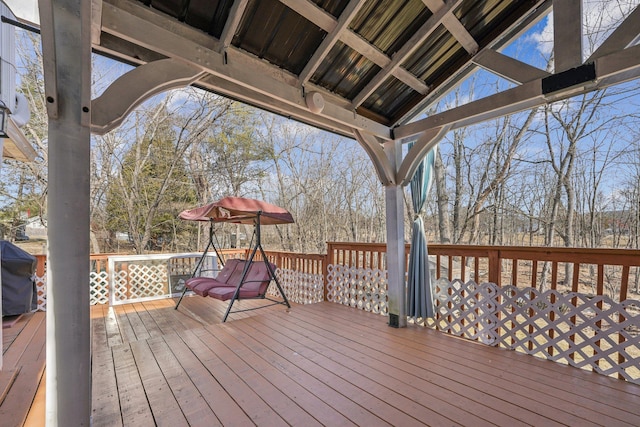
{"x":300,"y":288}
{"x":587,"y":332}
{"x":362,"y":288}
{"x":465,"y":310}
{"x":147,"y":281}
{"x":41,"y":289}
{"x":99,"y":287}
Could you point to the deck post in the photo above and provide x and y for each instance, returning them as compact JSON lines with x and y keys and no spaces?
{"x":395,"y":241}
{"x":66,"y":35}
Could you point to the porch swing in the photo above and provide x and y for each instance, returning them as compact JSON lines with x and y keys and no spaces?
{"x":238,"y":279}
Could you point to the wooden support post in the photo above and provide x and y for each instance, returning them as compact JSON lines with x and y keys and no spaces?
{"x":395,"y":243}
{"x":66,"y":34}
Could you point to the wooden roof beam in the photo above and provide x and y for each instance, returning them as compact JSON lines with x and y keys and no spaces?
{"x":612,"y":69}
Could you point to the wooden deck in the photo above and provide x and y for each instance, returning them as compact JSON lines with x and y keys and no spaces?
{"x":326,"y":364}
{"x":22,"y":375}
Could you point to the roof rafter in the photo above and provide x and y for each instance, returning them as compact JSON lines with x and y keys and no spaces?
{"x":328,"y":23}
{"x":625,"y":34}
{"x":509,"y":68}
{"x":405,"y":51}
{"x":230,"y":27}
{"x":453,"y":25}
{"x":567,"y":27}
{"x":538,"y":11}
{"x":330,"y":40}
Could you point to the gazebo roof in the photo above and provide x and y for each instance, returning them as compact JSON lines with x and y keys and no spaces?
{"x":382,"y":59}
{"x":336,"y":64}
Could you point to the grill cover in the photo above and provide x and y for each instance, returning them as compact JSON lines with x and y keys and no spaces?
{"x":18,"y":288}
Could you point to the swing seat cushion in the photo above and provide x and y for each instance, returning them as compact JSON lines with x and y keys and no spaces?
{"x":254,"y":286}
{"x":230,"y":273}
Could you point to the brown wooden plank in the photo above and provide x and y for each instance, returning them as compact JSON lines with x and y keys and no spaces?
{"x":346,"y":361}
{"x":574,"y":396}
{"x":36,"y":415}
{"x":409,"y":384}
{"x":233,"y":353}
{"x":126,"y":329}
{"x":166,"y":410}
{"x":105,"y":404}
{"x":99,"y":337}
{"x":193,"y":405}
{"x":317,"y":382}
{"x":172,"y":320}
{"x":259,"y":412}
{"x":317,"y":408}
{"x":7,"y":378}
{"x":133,"y":401}
{"x":137,"y":324}
{"x":149,"y":322}
{"x":13,"y":354}
{"x":511,"y":389}
{"x":24,"y":362}
{"x":226,"y":410}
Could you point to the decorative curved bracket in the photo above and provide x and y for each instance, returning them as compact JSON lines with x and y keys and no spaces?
{"x":425,"y":142}
{"x":373,"y":147}
{"x":110,"y":109}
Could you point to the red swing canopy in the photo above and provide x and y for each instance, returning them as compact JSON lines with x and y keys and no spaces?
{"x":238,"y":210}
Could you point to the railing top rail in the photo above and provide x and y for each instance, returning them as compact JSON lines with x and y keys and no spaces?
{"x":606,"y":256}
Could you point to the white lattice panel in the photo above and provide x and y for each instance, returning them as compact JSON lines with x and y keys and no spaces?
{"x":41,"y":289}
{"x":300,"y":288}
{"x":587,"y":332}
{"x":99,"y":287}
{"x":147,"y":280}
{"x":362,"y":288}
{"x":120,"y":286}
{"x":465,"y":309}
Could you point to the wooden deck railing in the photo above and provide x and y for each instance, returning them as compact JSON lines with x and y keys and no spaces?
{"x":611,"y":272}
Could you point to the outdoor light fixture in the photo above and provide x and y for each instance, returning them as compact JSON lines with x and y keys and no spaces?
{"x":4,"y":116}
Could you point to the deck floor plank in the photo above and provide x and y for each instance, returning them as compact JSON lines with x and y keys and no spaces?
{"x":251,"y":403}
{"x":131,"y":393}
{"x":164,"y":406}
{"x":148,"y":320}
{"x":560,"y":399}
{"x":25,"y":360}
{"x":317,"y":408}
{"x":99,"y":337}
{"x":193,"y":405}
{"x":105,"y":403}
{"x":537,"y":373}
{"x":226,"y":410}
{"x":241,"y":360}
{"x":391,"y":406}
{"x":124,"y":325}
{"x":313,"y":381}
{"x":112,"y":327}
{"x":138,"y":326}
{"x":410,"y":386}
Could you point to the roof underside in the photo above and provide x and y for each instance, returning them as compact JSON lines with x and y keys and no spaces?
{"x":384,"y":60}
